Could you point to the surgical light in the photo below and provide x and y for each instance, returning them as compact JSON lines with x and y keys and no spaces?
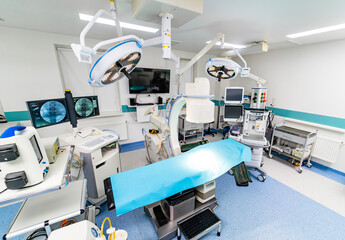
{"x":116,"y":63}
{"x":86,"y":17}
{"x":230,"y":45}
{"x":317,"y":31}
{"x":222,"y":68}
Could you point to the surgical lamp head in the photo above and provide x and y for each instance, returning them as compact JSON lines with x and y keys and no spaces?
{"x":116,"y":63}
{"x":222,"y":68}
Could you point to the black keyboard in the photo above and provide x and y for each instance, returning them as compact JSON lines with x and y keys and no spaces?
{"x":241,"y":174}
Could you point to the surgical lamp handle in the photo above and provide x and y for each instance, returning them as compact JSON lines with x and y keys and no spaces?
{"x":113,"y":40}
{"x":219,"y":36}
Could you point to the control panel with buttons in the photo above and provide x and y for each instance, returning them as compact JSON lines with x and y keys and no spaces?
{"x":258,"y":98}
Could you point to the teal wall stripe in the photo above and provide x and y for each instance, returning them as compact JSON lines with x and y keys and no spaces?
{"x":303,"y":116}
{"x":17,"y":116}
{"x":218,"y":103}
{"x":310,"y":117}
{"x":126,"y":108}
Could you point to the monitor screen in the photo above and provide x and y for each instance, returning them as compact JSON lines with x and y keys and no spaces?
{"x":234,"y":95}
{"x":86,"y":106}
{"x":36,"y":148}
{"x":48,"y":112}
{"x":233,"y":111}
{"x":148,"y":80}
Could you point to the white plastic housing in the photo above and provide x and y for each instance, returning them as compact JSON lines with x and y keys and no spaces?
{"x":84,"y":230}
{"x":166,"y":35}
{"x":199,"y":109}
{"x":27,"y":161}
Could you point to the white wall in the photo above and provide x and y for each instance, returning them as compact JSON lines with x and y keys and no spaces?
{"x":29,"y":71}
{"x":308,"y":78}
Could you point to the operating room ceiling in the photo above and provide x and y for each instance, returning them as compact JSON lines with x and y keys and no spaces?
{"x":242,"y":21}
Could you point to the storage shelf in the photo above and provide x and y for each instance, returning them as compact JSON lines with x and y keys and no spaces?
{"x":289,"y":155}
{"x":296,"y":136}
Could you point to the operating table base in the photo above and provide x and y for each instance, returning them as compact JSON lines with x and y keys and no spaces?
{"x":169,"y":230}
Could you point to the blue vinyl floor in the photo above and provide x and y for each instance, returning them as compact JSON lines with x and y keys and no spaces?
{"x":268,"y":210}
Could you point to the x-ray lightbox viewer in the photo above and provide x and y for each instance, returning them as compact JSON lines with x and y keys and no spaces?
{"x":234,"y":95}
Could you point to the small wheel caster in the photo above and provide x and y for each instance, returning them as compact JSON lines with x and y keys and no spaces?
{"x":231,"y":172}
{"x":218,"y":234}
{"x":97,"y":210}
{"x":270,"y":156}
{"x":179,"y":237}
{"x":299,"y":171}
{"x":262,"y":163}
{"x":309,"y":165}
{"x":261,"y":177}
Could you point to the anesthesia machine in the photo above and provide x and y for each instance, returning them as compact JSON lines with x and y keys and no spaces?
{"x":248,"y":126}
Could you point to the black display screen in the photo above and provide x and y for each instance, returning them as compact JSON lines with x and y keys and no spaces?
{"x":86,"y":106}
{"x":234,"y":94}
{"x":148,"y":80}
{"x":48,"y":112}
{"x":234,"y":112}
{"x":36,"y":148}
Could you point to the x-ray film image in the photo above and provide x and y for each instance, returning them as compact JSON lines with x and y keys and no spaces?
{"x":53,"y":112}
{"x":84,"y":107}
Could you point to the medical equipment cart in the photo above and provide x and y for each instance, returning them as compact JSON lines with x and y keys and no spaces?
{"x":56,"y":199}
{"x":294,"y":143}
{"x":188,"y":129}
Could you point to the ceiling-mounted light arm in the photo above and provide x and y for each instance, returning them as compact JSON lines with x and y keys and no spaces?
{"x":219,"y":37}
{"x":91,"y":23}
{"x":240,"y":56}
{"x":245,"y":72}
{"x":113,"y":40}
{"x":164,"y":39}
{"x":153,"y":42}
{"x":259,"y":81}
{"x":113,"y":9}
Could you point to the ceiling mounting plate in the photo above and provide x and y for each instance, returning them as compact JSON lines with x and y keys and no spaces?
{"x":183,"y":11}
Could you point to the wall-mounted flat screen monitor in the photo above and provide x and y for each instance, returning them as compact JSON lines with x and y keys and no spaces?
{"x":48,"y":112}
{"x":149,"y":80}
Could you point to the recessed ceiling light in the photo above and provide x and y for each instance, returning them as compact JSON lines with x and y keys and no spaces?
{"x":230,"y":45}
{"x":111,"y":22}
{"x":317,"y":31}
